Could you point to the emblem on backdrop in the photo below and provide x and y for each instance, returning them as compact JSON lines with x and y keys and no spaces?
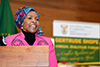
{"x":64,"y":27}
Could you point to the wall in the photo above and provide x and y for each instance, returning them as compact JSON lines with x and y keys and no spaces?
{"x":69,"y":10}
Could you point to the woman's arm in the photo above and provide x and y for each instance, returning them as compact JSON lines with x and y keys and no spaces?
{"x":52,"y":56}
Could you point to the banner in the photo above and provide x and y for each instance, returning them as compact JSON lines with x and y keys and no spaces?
{"x":76,"y":41}
{"x":7,"y":24}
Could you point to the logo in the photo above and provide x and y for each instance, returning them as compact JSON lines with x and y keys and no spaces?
{"x":64,"y":27}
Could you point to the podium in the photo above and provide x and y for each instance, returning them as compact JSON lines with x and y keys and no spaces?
{"x":24,"y":56}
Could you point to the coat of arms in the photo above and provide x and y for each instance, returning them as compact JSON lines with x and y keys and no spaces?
{"x":64,"y":31}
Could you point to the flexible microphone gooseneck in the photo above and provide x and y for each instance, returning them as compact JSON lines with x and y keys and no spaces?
{"x":2,"y":41}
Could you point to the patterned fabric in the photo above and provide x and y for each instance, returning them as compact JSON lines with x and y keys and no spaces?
{"x":21,"y":14}
{"x":39,"y":32}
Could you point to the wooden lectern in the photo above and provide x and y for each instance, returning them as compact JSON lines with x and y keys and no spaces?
{"x":24,"y":56}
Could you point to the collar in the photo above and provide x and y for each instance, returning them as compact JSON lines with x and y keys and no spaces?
{"x":23,"y":36}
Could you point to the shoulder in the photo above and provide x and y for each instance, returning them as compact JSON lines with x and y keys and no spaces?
{"x":45,"y":40}
{"x":12,"y":36}
{"x":10,"y":39}
{"x":43,"y":37}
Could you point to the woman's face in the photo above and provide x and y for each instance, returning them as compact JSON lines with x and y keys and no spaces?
{"x":31,"y":22}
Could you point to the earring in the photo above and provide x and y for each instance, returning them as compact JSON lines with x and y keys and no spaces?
{"x":21,"y":27}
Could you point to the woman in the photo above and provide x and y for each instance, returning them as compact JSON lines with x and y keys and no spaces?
{"x":27,"y":19}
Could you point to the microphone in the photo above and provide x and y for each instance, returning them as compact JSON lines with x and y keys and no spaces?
{"x":2,"y":41}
